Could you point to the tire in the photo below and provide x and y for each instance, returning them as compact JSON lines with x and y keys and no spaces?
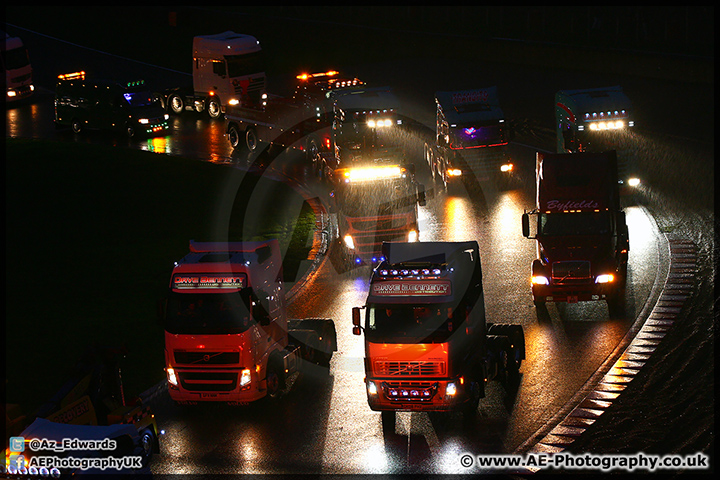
{"x":76,"y":125}
{"x":325,"y":329}
{"x":251,"y":139}
{"x":234,"y":136}
{"x":387,"y":417}
{"x":176,"y":104}
{"x":148,"y":441}
{"x":214,"y":109}
{"x":470,"y":408}
{"x":275,"y":380}
{"x":516,"y":344}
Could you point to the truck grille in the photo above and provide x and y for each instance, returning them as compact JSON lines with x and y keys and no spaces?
{"x":484,"y":162}
{"x":207,"y":358}
{"x":571,"y":272}
{"x":410,"y":369}
{"x":381,"y":224}
{"x":208,"y":381}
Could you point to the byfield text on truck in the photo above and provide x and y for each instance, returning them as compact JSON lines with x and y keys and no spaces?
{"x":582,"y":237}
{"x":86,"y":103}
{"x":376,"y":193}
{"x":18,"y":71}
{"x":472,"y":138}
{"x":301,"y":122}
{"x":427,"y":344}
{"x":598,"y":120}
{"x":227,"y":336}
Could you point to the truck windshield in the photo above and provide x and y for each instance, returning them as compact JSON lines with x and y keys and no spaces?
{"x":576,"y":223}
{"x":416,"y":323}
{"x":207,"y":313}
{"x":244,"y":65}
{"x":138,"y":99}
{"x":376,"y":198}
{"x":15,"y":58}
{"x":480,"y":135}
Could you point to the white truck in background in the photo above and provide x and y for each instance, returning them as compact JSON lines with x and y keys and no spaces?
{"x":18,"y":70}
{"x":227,"y":70}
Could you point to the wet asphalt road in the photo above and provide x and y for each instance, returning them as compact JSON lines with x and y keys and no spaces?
{"x":324,"y":424}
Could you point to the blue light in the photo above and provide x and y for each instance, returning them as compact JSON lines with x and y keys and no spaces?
{"x":358,"y":260}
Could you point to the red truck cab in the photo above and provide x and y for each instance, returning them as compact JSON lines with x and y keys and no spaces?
{"x":427,"y":345}
{"x":227,"y":336}
{"x":582,"y":237}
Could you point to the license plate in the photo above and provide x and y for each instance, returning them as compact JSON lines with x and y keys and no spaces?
{"x":208,"y":395}
{"x":572,"y":299}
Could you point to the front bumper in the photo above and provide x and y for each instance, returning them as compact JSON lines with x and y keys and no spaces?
{"x":416,"y":395}
{"x":572,"y":293}
{"x":215,"y":386}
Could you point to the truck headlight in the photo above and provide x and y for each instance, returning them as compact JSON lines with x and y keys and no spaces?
{"x":233,"y":102}
{"x":349,"y":242}
{"x":604,"y":278}
{"x":245,"y":377}
{"x":506,"y":168}
{"x":454,"y":172}
{"x":633,"y":182}
{"x":539,"y":280}
{"x":172,"y":378}
{"x":143,"y":121}
{"x":451,"y":389}
{"x":372,"y":388}
{"x":412,"y":236}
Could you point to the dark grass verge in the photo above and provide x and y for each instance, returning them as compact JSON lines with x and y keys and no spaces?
{"x":91,"y":236}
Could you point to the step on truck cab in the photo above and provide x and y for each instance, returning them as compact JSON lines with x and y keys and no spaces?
{"x":227,"y":336}
{"x":427,"y":344}
{"x":18,"y":70}
{"x":86,"y":103}
{"x":375,"y":188}
{"x":472,"y":138}
{"x":598,"y":120}
{"x":582,"y":237}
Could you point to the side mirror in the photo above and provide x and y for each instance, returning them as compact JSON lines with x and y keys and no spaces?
{"x":161,"y":311}
{"x":357,"y":329}
{"x":526,"y":225}
{"x":421,"y":195}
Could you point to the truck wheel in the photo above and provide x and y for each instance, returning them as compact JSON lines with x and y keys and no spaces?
{"x":325,"y":330}
{"x":470,"y":408}
{"x":275,"y":380}
{"x":147,"y":442}
{"x":388,"y":421}
{"x":76,"y":125}
{"x":214,"y":109}
{"x":516,"y":343}
{"x":234,"y":136}
{"x":251,"y":139}
{"x":177,"y":104}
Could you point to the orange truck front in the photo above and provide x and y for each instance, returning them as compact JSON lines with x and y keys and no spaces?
{"x":427,"y":345}
{"x":225,"y":326}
